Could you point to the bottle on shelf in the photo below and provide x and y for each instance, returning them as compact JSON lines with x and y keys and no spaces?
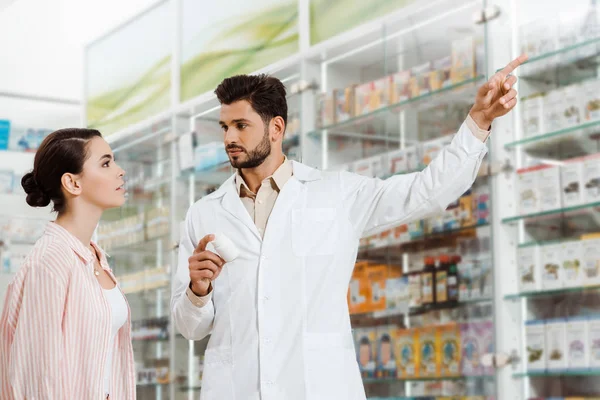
{"x":453,"y":284}
{"x":441,"y":279}
{"x":428,"y":281}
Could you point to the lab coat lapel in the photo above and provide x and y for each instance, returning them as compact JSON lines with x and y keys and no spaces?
{"x":232,"y":204}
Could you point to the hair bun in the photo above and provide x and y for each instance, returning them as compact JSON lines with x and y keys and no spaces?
{"x":35,"y":195}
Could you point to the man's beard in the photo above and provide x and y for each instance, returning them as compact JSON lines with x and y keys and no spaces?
{"x":255,"y":157}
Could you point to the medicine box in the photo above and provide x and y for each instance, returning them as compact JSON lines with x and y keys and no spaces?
{"x":556,"y":343}
{"x":528,"y":268}
{"x":551,"y":263}
{"x":535,"y":344}
{"x":571,"y":178}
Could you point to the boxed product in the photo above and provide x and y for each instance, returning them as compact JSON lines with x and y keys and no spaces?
{"x":400,"y":87}
{"x":359,"y":291}
{"x":571,"y":178}
{"x":535,"y":333}
{"x":553,"y":111}
{"x":577,"y":343}
{"x":572,"y":263}
{"x":590,"y":249}
{"x":466,"y":213}
{"x":533,"y":115}
{"x":365,"y":343}
{"x":465,"y":281}
{"x":6,"y":182}
{"x":486,"y":286}
{"x":209,"y":155}
{"x":472,"y":350}
{"x":431,"y":148}
{"x":429,"y":352}
{"x":416,"y":229}
{"x":591,"y":100}
{"x":449,"y":340}
{"x":379,"y":165}
{"x":4,"y":134}
{"x":371,"y":96}
{"x":485,"y":330}
{"x":440,"y":76}
{"x":397,"y":292}
{"x":591,"y":179}
{"x":528,"y":268}
{"x":26,"y":139}
{"x":549,"y":190}
{"x":528,"y":198}
{"x":594,"y":341}
{"x":550,"y":261}
{"x":364,"y":167}
{"x":344,"y":104}
{"x":481,"y":204}
{"x":407,"y":353}
{"x":326,"y":113}
{"x":386,"y":356}
{"x":420,"y":80}
{"x":464,"y":61}
{"x":572,"y":114}
{"x":376,"y":276}
{"x":415,"y":289}
{"x":556,"y":344}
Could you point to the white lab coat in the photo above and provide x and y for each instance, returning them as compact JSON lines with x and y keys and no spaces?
{"x":278,"y":315}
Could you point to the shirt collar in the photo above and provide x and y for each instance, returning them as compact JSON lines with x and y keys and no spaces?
{"x":67,"y":237}
{"x":279,"y":177}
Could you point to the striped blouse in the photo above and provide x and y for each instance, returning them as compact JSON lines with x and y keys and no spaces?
{"x":55,"y":327}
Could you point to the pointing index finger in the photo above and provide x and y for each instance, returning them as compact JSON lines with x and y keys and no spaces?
{"x":513,"y":65}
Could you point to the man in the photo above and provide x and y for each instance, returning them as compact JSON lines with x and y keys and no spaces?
{"x":278,"y":314}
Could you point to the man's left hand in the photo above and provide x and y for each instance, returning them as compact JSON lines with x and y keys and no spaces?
{"x":497,"y":96}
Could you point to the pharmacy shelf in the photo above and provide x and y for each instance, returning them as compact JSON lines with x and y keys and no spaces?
{"x":565,"y":65}
{"x":363,"y":126}
{"x":367,"y":251}
{"x":560,"y":212}
{"x":590,"y":131}
{"x":414,"y":311}
{"x":552,"y":293}
{"x":428,"y":379}
{"x":556,"y":374}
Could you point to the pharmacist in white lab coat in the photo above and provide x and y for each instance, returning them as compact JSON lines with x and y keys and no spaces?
{"x":277,"y":314}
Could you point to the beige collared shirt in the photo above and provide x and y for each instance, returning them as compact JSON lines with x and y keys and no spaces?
{"x":259,"y":205}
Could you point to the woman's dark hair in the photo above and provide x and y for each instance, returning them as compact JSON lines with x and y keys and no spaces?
{"x":265,"y":94}
{"x":63,"y":151}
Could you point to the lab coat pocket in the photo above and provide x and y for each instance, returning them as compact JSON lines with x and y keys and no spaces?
{"x":330,"y":360}
{"x":315,"y":231}
{"x":217,"y":378}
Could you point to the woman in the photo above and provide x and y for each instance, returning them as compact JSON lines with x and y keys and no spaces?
{"x":65,"y":328}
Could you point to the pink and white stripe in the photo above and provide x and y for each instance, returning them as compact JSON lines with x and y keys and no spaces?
{"x":55,"y":328}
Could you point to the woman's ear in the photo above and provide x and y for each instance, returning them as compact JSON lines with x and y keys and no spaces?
{"x":71,"y":184}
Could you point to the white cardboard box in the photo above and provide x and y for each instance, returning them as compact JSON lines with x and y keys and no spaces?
{"x":591,"y":100}
{"x":528,"y":268}
{"x":572,"y":263}
{"x":594,"y":342}
{"x":548,"y":184}
{"x":571,"y":178}
{"x":556,"y":344}
{"x":553,"y":108}
{"x":591,"y":179}
{"x":591,"y":261}
{"x":528,"y":199}
{"x":578,"y":357}
{"x":533,"y":115}
{"x":572,"y":106}
{"x":535,"y":345}
{"x":551,"y":266}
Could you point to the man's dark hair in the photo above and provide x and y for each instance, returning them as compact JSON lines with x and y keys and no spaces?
{"x":265,"y":94}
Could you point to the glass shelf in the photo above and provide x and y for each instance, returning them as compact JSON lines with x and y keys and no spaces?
{"x":428,"y":379}
{"x":551,"y":138}
{"x":561,"y":51}
{"x":566,"y":210}
{"x":556,"y":374}
{"x":363,"y":251}
{"x":554,"y":292}
{"x":363,"y":126}
{"x":419,"y":310}
{"x":565,"y":65}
